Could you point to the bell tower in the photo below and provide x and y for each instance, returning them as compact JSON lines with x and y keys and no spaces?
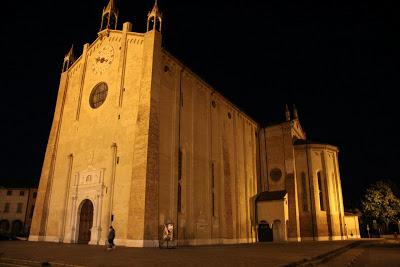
{"x":154,"y":19}
{"x":109,"y":19}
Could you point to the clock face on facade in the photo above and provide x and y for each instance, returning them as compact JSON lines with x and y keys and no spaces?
{"x":102,"y":59}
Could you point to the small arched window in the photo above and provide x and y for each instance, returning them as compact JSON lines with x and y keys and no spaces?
{"x":154,"y":23}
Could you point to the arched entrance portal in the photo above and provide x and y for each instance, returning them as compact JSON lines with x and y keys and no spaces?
{"x":85,"y":221}
{"x":264,"y":232}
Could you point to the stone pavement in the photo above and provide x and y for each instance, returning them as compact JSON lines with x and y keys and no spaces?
{"x":376,"y":253}
{"x":24,"y":253}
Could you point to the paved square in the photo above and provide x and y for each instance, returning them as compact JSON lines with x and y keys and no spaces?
{"x":265,"y":254}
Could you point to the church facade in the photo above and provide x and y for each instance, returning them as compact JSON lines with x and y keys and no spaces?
{"x":138,"y":140}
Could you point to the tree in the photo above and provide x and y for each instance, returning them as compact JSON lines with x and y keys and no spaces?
{"x":381,"y":204}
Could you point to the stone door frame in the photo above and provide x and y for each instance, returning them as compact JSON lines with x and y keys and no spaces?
{"x":88,"y":184}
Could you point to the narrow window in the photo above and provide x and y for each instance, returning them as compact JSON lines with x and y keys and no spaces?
{"x":158,"y":25}
{"x":213,"y":204}
{"x":182,"y":99}
{"x":179,"y":198}
{"x":7,"y":208}
{"x":19,"y":208}
{"x":21,"y":193}
{"x":334,"y":187}
{"x":180,"y":165}
{"x":212,"y":189}
{"x":34,"y":194}
{"x":9,"y":193}
{"x":336,"y":181}
{"x":304,"y":191}
{"x":180,"y":180}
{"x":320,"y":190}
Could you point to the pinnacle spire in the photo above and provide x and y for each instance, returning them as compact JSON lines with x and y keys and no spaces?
{"x":295,"y":114}
{"x":110,"y":7}
{"x":70,"y":52}
{"x":154,"y":18}
{"x":155,"y":8}
{"x":287,"y":113}
{"x":69,"y":59}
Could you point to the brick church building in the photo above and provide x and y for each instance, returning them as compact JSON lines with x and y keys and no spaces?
{"x":138,"y":140}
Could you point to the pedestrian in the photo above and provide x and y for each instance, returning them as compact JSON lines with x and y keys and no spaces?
{"x":111,"y":236}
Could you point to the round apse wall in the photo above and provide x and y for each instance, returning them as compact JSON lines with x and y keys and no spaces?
{"x":98,"y":95}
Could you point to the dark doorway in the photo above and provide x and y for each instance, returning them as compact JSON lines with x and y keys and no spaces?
{"x":85,"y":221}
{"x":264,"y":232}
{"x":16,"y":227}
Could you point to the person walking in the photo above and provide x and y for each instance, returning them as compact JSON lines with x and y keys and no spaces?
{"x":111,"y":236}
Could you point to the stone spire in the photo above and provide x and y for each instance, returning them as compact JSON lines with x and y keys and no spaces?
{"x":69,"y":59}
{"x":110,"y":7}
{"x":109,"y":18}
{"x":154,"y":18}
{"x":287,"y":113}
{"x":295,"y":114}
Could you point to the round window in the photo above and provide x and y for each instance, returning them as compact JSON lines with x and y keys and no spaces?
{"x":275,"y":174}
{"x":98,"y":95}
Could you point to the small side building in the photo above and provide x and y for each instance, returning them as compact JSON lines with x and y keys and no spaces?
{"x":352,"y":225}
{"x":16,"y":210}
{"x":273,"y":216}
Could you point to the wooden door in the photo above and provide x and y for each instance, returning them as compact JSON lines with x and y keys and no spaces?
{"x":85,"y":222}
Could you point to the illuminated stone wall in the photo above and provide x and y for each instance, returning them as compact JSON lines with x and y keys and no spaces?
{"x":213,"y":135}
{"x":328,"y":221}
{"x":123,"y":155}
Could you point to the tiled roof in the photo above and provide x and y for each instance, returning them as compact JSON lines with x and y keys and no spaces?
{"x":272,"y":195}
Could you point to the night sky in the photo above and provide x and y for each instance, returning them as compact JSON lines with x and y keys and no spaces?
{"x":337,"y":62}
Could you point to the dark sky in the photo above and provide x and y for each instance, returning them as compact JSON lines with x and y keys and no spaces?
{"x":337,"y":62}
